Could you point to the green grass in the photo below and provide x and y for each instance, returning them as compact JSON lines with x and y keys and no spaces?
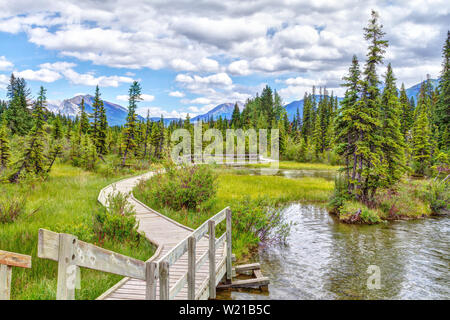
{"x":65,"y":201}
{"x":293,"y":165}
{"x":233,"y":188}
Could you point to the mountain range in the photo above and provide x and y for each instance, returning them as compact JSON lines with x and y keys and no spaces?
{"x":116,"y":114}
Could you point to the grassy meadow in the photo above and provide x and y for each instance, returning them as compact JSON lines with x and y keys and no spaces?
{"x":65,"y":202}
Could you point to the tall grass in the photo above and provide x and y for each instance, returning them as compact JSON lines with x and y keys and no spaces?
{"x":66,"y":202}
{"x":293,"y":165}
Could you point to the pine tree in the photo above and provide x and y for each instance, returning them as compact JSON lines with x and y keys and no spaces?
{"x":407,"y":112}
{"x":84,"y":119}
{"x":421,"y":145}
{"x":18,"y":114}
{"x":5,"y":151}
{"x":102,"y":131}
{"x":130,"y":126}
{"x":57,"y":129}
{"x":97,"y":137}
{"x":347,"y":123}
{"x":148,"y":129}
{"x":443,"y":104}
{"x":235,"y":117}
{"x":370,"y":171}
{"x":393,"y":146}
{"x":33,"y":157}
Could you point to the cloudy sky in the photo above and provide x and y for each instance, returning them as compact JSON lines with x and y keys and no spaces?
{"x":192,"y":55}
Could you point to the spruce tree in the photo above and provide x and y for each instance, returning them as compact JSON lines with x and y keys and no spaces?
{"x":370,"y":171}
{"x":235,"y":117}
{"x":84,"y":119}
{"x":421,"y":146}
{"x":130,"y":127}
{"x":407,"y":112}
{"x":393,"y":146}
{"x":18,"y":114}
{"x":347,"y":123}
{"x":102,"y":131}
{"x":5,"y":151}
{"x":33,"y":156}
{"x":443,"y":103}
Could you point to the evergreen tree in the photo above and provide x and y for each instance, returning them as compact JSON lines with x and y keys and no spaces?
{"x":84,"y":120}
{"x":392,"y":146}
{"x":18,"y":114}
{"x":443,"y":104}
{"x":130,"y":127}
{"x":347,"y":123}
{"x":102,"y":131}
{"x":57,"y":129}
{"x":407,"y":112}
{"x":236,"y":116}
{"x":370,"y":171}
{"x":5,"y":151}
{"x":421,"y":145}
{"x":33,"y":157}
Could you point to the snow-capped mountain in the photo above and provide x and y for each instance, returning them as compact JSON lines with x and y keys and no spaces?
{"x":116,"y":114}
{"x":224,"y":110}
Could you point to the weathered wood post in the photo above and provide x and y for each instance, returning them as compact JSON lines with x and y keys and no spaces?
{"x":229,"y":247}
{"x":7,"y":261}
{"x":212,"y":259}
{"x":151,"y":279}
{"x":5,"y":282}
{"x":191,"y":267}
{"x":164,"y":280}
{"x":67,"y":268}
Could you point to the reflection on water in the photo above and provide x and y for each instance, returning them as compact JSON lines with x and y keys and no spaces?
{"x":329,"y":260}
{"x":326,"y":174}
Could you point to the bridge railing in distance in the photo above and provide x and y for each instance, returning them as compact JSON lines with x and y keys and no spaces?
{"x":220,"y":159}
{"x":8,"y":260}
{"x":71,"y":254}
{"x":160,"y":269}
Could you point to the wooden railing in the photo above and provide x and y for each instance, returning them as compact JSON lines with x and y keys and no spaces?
{"x":71,"y":254}
{"x":7,"y":261}
{"x":161,"y":268}
{"x":219,"y":159}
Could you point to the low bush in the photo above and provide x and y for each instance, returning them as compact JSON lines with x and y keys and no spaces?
{"x":11,"y":208}
{"x":437,"y":194}
{"x":356,"y":212}
{"x":180,"y":188}
{"x":118,"y":221}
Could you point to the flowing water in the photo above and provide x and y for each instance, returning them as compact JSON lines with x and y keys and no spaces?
{"x":325,"y":259}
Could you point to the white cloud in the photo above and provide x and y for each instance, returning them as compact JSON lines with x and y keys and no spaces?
{"x":176,"y":94}
{"x":240,"y":68}
{"x":5,"y":64}
{"x":44,"y":75}
{"x":4,"y":81}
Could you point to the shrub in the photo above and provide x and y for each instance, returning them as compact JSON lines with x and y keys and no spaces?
{"x":356,"y":212}
{"x":118,"y":221}
{"x":340,"y":194}
{"x":261,"y":218}
{"x":184,"y":187}
{"x":437,"y":194}
{"x":11,"y":208}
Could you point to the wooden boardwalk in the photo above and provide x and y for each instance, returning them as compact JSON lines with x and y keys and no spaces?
{"x":166,"y":234}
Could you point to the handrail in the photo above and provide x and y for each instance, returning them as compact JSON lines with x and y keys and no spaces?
{"x":8,"y":260}
{"x":188,"y":245}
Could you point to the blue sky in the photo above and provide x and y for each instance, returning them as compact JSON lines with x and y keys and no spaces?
{"x":192,"y":56}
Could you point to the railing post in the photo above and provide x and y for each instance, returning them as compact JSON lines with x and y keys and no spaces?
{"x":164,"y":280}
{"x":229,"y":246}
{"x":67,"y":269}
{"x":5,"y":282}
{"x":212,"y":259}
{"x":191,"y":267}
{"x":151,"y":275}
